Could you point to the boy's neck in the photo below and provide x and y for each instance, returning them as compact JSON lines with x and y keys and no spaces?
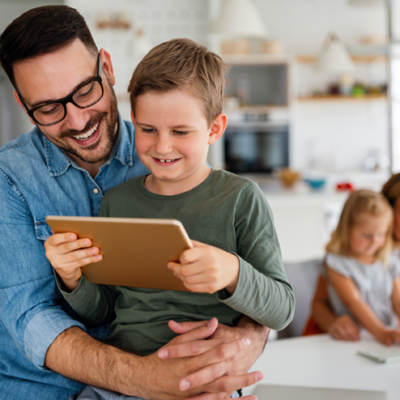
{"x":166,"y":187}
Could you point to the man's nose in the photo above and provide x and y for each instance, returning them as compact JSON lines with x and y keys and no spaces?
{"x":76,"y":118}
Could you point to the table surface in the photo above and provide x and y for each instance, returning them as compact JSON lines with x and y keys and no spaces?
{"x":320,"y":361}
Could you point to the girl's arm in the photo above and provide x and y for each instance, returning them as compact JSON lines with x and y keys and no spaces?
{"x":341,"y":328}
{"x":396,"y":296}
{"x":351,"y":297}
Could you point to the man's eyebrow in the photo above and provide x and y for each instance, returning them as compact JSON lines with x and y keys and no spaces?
{"x":40,"y":102}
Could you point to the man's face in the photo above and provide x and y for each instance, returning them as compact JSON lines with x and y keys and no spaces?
{"x":86,"y":134}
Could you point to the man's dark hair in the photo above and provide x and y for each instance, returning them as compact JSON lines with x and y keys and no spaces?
{"x":40,"y":31}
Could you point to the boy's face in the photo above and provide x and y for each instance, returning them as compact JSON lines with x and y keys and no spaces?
{"x":172,"y":137}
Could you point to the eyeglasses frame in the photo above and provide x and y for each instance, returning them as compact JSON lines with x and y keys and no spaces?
{"x":68,"y":99}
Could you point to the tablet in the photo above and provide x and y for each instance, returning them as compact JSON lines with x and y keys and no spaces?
{"x":135,"y":251}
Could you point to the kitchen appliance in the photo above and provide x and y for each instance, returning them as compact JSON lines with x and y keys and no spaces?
{"x":256,"y":146}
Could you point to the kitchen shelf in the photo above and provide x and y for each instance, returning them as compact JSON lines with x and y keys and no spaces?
{"x":370,"y":58}
{"x":366,"y":97}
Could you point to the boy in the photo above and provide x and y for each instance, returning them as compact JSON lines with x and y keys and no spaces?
{"x":235,"y":266}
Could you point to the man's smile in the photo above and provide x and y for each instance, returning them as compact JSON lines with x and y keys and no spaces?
{"x":89,"y":137}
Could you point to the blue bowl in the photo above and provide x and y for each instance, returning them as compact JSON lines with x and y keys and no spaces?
{"x":315,"y":183}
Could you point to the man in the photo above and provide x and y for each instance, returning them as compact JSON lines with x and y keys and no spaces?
{"x":79,"y":149}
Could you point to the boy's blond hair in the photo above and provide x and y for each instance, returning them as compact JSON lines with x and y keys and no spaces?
{"x":366,"y":202}
{"x":182,"y":64}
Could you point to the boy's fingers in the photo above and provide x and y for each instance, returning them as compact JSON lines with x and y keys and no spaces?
{"x":76,"y":245}
{"x":190,"y":256}
{"x":60,"y":238}
{"x":202,"y":332}
{"x":77,"y":255}
{"x":188,"y":349}
{"x":186,"y":326}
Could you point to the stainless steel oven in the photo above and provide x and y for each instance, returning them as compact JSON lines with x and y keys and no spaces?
{"x":256,"y":146}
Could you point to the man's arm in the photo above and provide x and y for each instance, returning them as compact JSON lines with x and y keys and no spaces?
{"x":80,"y":357}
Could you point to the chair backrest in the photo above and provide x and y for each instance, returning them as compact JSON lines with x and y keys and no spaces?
{"x":303,"y":277}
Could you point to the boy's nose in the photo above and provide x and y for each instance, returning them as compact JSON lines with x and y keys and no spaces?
{"x":163,"y":146}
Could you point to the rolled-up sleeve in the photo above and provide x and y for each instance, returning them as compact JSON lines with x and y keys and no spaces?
{"x":29,"y":304}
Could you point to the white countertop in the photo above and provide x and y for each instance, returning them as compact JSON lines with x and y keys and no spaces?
{"x":320,"y":361}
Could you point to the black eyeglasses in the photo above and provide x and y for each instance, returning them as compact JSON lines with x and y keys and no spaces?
{"x":86,"y":95}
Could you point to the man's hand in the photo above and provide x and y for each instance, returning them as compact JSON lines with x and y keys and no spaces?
{"x":234,"y":367}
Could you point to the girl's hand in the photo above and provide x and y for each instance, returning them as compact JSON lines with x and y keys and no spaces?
{"x":344,"y":328}
{"x":207,"y":269}
{"x":389,"y":337}
{"x":67,"y":254}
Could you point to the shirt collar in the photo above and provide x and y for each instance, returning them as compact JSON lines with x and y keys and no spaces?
{"x":58,"y":162}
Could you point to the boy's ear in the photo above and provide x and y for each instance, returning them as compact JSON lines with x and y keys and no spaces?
{"x":217,"y":128}
{"x":16,"y":96}
{"x":132,"y":117}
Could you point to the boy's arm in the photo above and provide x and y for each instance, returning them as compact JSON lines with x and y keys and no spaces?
{"x":93,"y":303}
{"x":351,"y":298}
{"x":263,"y":291}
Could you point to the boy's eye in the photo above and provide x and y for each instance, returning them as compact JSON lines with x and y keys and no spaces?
{"x":148,"y":130}
{"x":181,"y":132}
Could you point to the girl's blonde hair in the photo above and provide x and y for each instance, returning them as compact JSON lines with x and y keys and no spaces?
{"x":367,"y":202}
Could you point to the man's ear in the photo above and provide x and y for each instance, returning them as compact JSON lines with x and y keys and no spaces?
{"x":107,"y":66}
{"x":217,"y":128}
{"x":18,"y":100}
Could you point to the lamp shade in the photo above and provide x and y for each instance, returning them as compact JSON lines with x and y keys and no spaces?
{"x":239,"y":19}
{"x":334,"y":59}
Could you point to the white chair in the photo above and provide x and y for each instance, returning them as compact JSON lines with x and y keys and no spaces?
{"x":303,"y":277}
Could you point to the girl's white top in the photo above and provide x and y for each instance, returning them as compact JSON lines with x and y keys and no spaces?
{"x":374,"y":282}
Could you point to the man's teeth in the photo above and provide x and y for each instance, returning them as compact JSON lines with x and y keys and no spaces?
{"x":87,"y":135}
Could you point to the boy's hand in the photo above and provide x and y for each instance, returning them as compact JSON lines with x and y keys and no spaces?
{"x":67,"y":255}
{"x":207,"y":269}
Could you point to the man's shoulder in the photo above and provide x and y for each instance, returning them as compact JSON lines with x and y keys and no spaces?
{"x":26,"y":145}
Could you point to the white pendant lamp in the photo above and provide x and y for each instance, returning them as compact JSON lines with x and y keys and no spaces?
{"x":334,"y":59}
{"x":239,"y":19}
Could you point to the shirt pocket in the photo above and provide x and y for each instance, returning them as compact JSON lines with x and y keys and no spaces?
{"x":42,"y":230}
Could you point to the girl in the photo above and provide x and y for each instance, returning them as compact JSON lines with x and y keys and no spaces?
{"x":363,"y":275}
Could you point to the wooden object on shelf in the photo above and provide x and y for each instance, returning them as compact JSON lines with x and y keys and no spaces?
{"x":343,"y":98}
{"x":239,"y":46}
{"x":309,"y":59}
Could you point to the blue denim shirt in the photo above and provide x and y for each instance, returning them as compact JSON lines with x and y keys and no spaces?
{"x":38,"y":179}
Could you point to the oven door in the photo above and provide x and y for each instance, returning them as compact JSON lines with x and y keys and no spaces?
{"x":256,"y":147}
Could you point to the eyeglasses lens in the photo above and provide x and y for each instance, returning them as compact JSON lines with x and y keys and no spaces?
{"x":85,"y":97}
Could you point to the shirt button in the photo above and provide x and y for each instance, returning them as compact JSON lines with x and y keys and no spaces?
{"x":95,"y":190}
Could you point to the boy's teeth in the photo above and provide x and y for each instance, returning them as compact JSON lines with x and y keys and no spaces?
{"x":166,"y":160}
{"x":87,"y":135}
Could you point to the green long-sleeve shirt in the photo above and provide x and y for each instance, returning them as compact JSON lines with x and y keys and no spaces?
{"x":225,"y":211}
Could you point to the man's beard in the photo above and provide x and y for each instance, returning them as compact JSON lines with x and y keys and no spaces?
{"x":110,"y":138}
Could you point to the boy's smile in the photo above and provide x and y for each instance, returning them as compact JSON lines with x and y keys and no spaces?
{"x":172,"y":139}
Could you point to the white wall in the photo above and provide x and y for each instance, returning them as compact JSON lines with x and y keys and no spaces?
{"x":302,"y":26}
